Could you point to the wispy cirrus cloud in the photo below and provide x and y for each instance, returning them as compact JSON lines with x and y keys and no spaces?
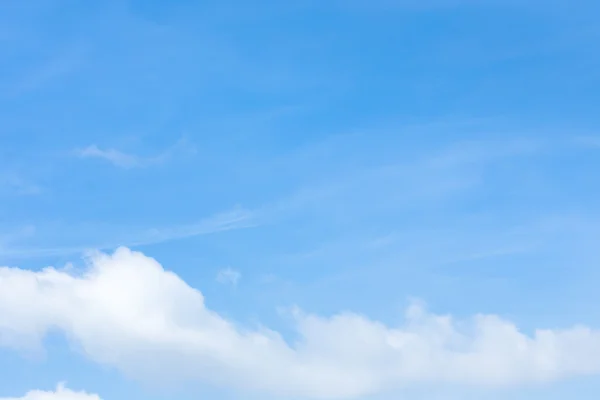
{"x":234,"y":219}
{"x":113,"y":156}
{"x":228,"y":276}
{"x":443,"y":174}
{"x":440,"y":175}
{"x":122,"y":159}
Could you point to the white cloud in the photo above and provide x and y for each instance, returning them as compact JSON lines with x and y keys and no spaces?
{"x":113,"y":156}
{"x":228,"y":276}
{"x":61,"y":393}
{"x":124,"y":160}
{"x":128,"y":312}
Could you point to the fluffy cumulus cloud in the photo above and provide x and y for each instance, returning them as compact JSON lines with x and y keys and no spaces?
{"x":127,"y":311}
{"x":61,"y":393}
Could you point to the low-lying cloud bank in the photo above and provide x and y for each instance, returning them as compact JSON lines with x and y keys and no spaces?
{"x":61,"y":393}
{"x":128,"y":312}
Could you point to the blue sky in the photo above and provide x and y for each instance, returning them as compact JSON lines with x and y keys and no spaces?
{"x":294,"y":162}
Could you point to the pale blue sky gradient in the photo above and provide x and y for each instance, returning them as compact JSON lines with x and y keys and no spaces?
{"x":337,"y":155}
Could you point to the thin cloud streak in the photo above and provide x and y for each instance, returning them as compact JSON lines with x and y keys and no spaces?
{"x":113,"y":156}
{"x":231,"y":220}
{"x":128,"y":161}
{"x":319,"y":196}
{"x":417,"y":175}
{"x":450,"y":170}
